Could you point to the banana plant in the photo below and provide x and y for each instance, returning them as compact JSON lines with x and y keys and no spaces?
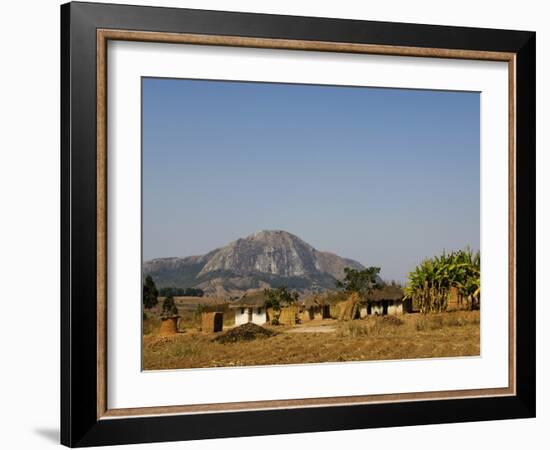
{"x":430,"y":283}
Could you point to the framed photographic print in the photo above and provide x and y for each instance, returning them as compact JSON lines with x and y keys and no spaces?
{"x":277,"y":224}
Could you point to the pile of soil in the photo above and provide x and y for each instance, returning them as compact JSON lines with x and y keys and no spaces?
{"x":246,"y":332}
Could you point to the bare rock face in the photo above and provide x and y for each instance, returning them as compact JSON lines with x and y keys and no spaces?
{"x":273,"y":252}
{"x":263,"y":259}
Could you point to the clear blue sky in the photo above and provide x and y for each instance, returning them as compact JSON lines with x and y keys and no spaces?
{"x":383,"y":176}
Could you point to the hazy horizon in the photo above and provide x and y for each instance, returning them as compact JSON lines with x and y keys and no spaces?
{"x":386,"y":177}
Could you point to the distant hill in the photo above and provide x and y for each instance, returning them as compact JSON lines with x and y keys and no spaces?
{"x":261,"y":260}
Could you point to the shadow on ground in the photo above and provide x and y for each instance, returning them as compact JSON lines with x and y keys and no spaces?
{"x":50,"y":434}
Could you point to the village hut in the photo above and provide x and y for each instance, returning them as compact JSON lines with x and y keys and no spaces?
{"x":387,"y":300}
{"x":212,"y":322}
{"x":455,"y":300}
{"x":314,"y":308}
{"x":250,"y":309}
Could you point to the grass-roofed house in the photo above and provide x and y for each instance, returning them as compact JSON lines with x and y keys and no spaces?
{"x":314,"y":307}
{"x":389,"y":299}
{"x":250,"y":308}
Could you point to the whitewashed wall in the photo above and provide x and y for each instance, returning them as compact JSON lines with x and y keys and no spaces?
{"x":241,"y":318}
{"x":396,"y":308}
{"x":260,"y":317}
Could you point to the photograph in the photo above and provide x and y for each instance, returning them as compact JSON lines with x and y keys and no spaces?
{"x":298,"y":223}
{"x":279,"y":222}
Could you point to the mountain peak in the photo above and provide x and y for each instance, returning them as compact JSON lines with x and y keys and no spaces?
{"x":274,"y":236}
{"x":262,"y":259}
{"x":273,"y":252}
{"x":272,"y":233}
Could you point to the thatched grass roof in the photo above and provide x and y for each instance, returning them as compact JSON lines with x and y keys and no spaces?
{"x":313,"y":300}
{"x":388,"y":292}
{"x":249,"y":300}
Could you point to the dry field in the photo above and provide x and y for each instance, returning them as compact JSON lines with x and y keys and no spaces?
{"x":375,"y":338}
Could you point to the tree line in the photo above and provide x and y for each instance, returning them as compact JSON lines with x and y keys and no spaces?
{"x":181,"y":292}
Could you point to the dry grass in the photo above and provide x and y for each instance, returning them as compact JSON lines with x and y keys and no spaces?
{"x":375,"y":338}
{"x":151,"y":326}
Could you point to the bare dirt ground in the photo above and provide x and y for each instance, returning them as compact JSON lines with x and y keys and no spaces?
{"x":376,"y":338}
{"x":313,"y":329}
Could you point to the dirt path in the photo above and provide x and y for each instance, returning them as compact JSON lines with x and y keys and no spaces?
{"x":322,"y":329}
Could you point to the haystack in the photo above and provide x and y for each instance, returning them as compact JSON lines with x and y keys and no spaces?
{"x":289,"y":315}
{"x":349,"y":309}
{"x":212,"y":322}
{"x":335,"y":309}
{"x":169,"y":325}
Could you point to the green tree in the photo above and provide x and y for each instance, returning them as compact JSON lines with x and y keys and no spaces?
{"x":169,"y":306}
{"x":360,"y":281}
{"x":277,"y":298}
{"x":150,"y":293}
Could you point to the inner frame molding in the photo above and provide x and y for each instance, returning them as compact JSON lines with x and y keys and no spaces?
{"x":104,"y":35}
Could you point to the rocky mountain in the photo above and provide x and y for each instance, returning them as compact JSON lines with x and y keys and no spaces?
{"x":264,"y":259}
